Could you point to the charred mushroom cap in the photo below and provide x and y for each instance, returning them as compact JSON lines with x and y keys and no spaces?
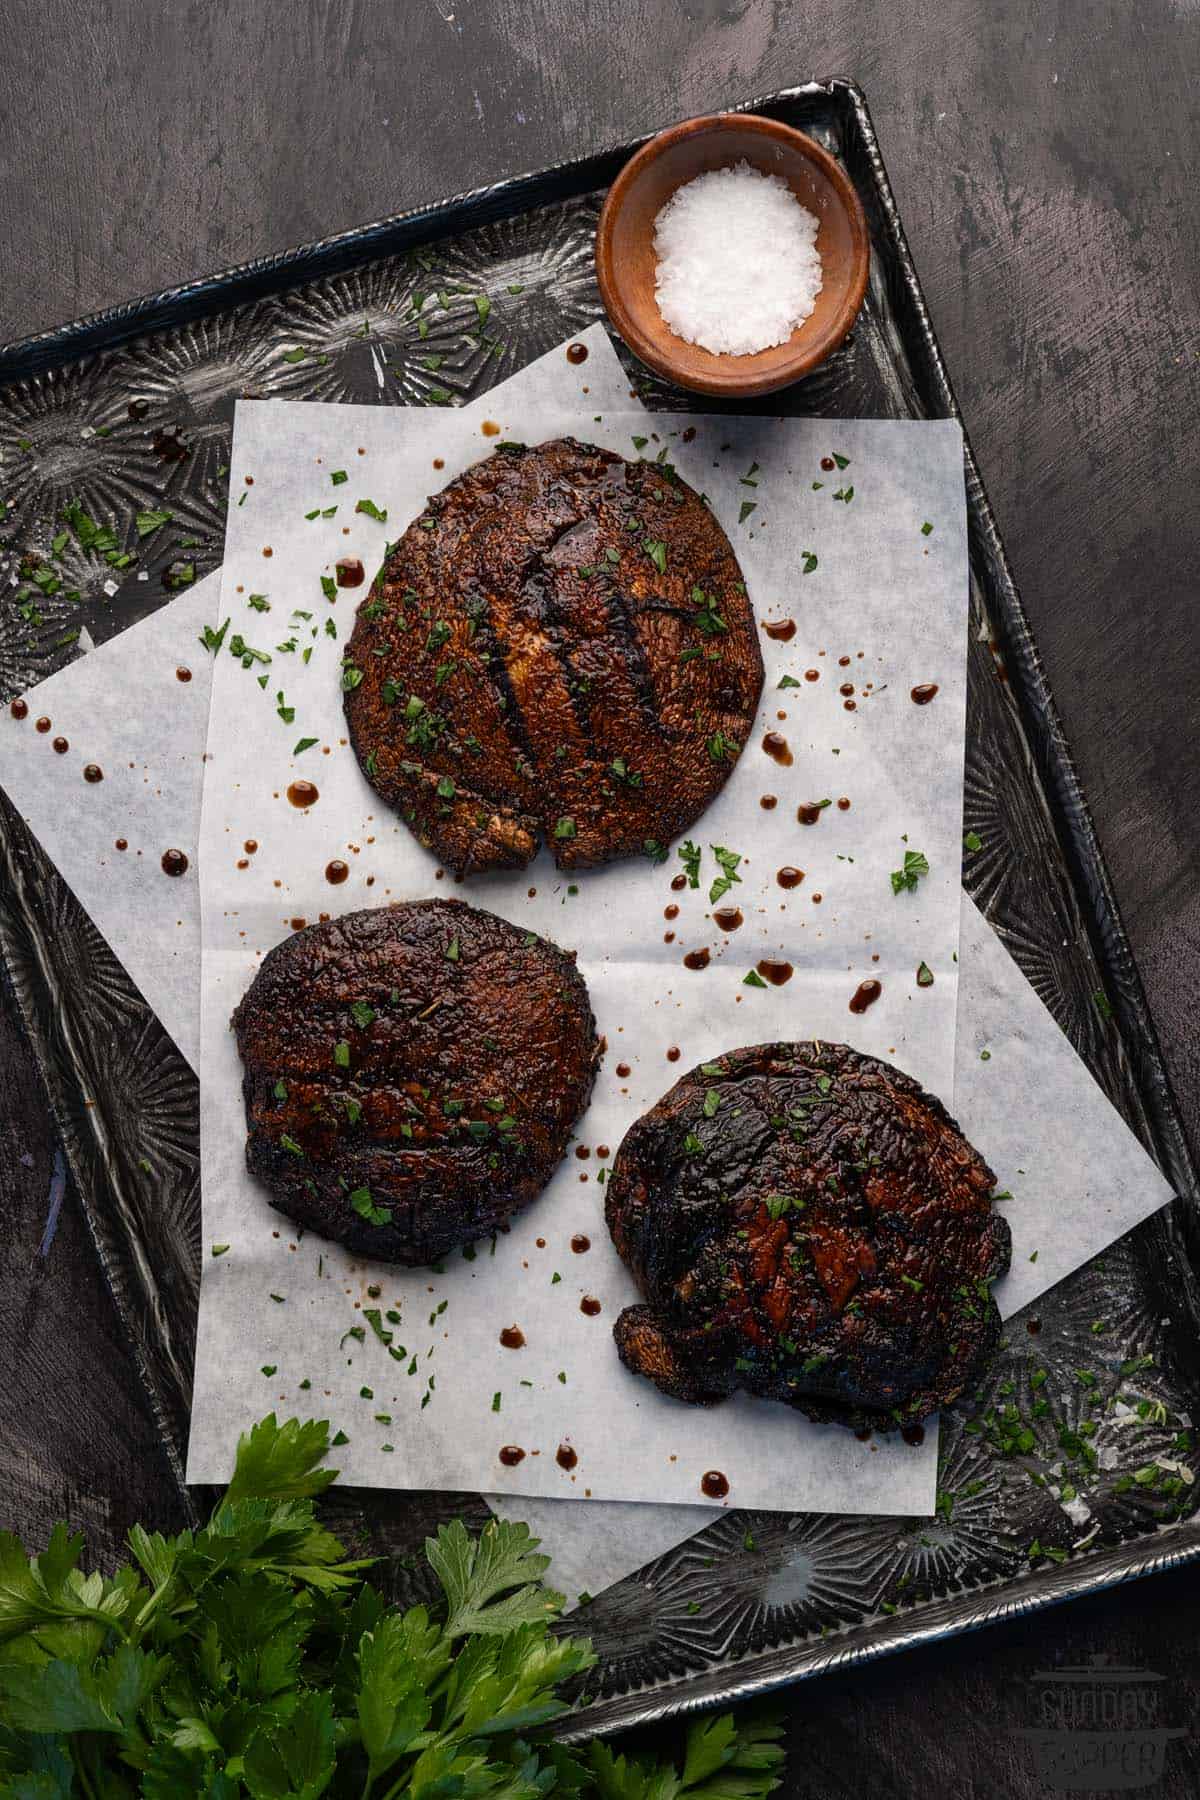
{"x":411,"y":1075}
{"x":560,"y":647}
{"x":807,"y":1223}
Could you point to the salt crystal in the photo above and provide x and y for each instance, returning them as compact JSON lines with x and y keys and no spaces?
{"x":738,"y":264}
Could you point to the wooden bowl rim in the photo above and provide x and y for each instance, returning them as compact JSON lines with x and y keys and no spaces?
{"x":730,"y":376}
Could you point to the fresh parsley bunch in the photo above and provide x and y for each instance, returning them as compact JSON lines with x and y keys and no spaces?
{"x":252,"y":1658}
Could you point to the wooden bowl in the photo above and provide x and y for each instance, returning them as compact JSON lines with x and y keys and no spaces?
{"x":626,"y":261}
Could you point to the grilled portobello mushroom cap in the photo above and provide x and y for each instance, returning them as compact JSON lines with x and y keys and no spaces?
{"x":560,"y":647}
{"x":412,"y":1074}
{"x":808,"y":1224}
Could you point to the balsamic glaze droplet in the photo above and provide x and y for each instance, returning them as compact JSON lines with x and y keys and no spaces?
{"x":865,"y":994}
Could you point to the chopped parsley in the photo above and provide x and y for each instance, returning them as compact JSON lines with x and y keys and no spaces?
{"x":728,"y":860}
{"x":915,"y":865}
{"x":366,"y":1209}
{"x":708,"y":619}
{"x":689,"y":856}
{"x":212,"y":640}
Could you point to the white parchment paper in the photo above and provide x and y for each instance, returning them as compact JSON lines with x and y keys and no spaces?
{"x":124,"y":707}
{"x":1080,"y":1178}
{"x":439,"y":1417}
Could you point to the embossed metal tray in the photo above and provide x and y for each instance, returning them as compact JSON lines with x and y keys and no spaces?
{"x":133,"y":409}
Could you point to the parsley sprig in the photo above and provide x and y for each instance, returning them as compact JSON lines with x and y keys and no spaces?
{"x":252,"y":1657}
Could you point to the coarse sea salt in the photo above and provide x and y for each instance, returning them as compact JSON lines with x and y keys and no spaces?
{"x":738,"y":265}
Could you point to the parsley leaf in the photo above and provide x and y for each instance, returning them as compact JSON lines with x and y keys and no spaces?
{"x":689,"y":856}
{"x":729,"y":860}
{"x":915,"y":866}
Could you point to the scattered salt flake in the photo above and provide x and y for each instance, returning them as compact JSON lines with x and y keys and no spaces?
{"x":1077,"y":1510}
{"x":1172,"y":1466}
{"x":738,"y":264}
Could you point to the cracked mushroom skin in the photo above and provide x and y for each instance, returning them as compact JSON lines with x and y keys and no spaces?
{"x":808,"y":1224}
{"x":411,"y":1075}
{"x":560,"y":647}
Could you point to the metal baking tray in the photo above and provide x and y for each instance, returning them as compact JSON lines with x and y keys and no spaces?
{"x":134,"y":408}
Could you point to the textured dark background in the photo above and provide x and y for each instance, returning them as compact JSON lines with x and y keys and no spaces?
{"x":1043,"y":154}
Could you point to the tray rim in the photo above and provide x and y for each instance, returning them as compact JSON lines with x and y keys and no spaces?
{"x":725,"y":1685}
{"x":106,"y":330}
